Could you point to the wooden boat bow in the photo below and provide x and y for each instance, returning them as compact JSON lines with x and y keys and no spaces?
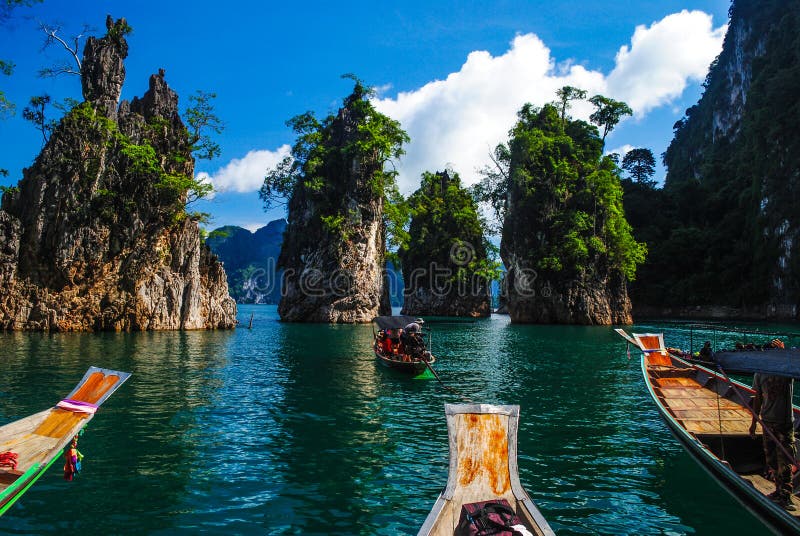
{"x":483,"y":466}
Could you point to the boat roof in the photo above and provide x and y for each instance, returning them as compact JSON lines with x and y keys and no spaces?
{"x":774,"y":361}
{"x":394,"y":322}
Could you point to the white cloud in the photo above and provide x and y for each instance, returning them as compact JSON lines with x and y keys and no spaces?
{"x":245,"y":174}
{"x":622,"y":150}
{"x":461,"y":118}
{"x":661,"y":59}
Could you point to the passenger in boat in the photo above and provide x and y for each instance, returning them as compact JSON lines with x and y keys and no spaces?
{"x":773,"y":403}
{"x":705,"y":351}
{"x":384,"y":342}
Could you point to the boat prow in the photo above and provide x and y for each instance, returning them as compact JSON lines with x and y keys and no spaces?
{"x":483,"y":466}
{"x":39,"y":439}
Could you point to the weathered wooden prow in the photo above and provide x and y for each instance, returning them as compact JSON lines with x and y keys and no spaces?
{"x":480,"y":453}
{"x":483,"y":466}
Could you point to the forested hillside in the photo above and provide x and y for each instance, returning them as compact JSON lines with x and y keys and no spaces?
{"x":723,"y":230}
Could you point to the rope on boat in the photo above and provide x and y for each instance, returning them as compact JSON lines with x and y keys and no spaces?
{"x":719,"y":419}
{"x":455,"y":392}
{"x":765,"y":428}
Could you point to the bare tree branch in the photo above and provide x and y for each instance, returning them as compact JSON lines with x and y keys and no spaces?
{"x":52,"y":37}
{"x":500,"y":169}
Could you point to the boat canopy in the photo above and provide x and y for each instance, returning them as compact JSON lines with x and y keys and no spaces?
{"x":773,"y":361}
{"x":393,"y":322}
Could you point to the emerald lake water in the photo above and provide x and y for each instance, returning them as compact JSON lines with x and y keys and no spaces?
{"x":292,"y":428}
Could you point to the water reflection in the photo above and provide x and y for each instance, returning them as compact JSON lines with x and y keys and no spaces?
{"x":288,"y":428}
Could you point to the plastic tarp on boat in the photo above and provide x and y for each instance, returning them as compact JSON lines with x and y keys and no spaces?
{"x":772,"y":361}
{"x":393,"y":322}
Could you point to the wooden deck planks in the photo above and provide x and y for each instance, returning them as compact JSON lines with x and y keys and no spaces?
{"x":699,"y":403}
{"x":736,"y":414}
{"x":31,"y":448}
{"x":679,"y":382}
{"x":697,"y":426}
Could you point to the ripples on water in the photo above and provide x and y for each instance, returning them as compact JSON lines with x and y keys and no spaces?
{"x":290,"y":428}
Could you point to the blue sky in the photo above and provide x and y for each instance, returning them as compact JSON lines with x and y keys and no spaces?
{"x":453,"y":73}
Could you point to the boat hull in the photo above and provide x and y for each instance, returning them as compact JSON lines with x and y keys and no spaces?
{"x":483,"y":466}
{"x":740,"y":488}
{"x":39,"y":439}
{"x":414,"y":367}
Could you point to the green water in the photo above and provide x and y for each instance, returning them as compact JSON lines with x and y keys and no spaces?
{"x":289,"y":428}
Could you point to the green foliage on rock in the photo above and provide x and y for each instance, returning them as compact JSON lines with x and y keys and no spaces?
{"x":567,"y":215}
{"x":201,"y":119}
{"x":166,"y":185}
{"x":358,"y":143}
{"x":729,"y":206}
{"x":446,"y":230}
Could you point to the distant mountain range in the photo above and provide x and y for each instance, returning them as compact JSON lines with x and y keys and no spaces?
{"x":251,"y":261}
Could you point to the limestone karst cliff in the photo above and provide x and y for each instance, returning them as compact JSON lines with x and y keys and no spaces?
{"x":729,"y":207}
{"x":96,"y":236}
{"x":445,"y":264}
{"x":565,"y":242}
{"x":333,"y":252}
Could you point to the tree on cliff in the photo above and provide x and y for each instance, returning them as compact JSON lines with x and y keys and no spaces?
{"x":567,"y":94}
{"x":640,"y":163}
{"x":446,"y":237}
{"x":342,"y":201}
{"x":564,"y":227}
{"x":608,"y":113}
{"x":569,"y":192}
{"x":317,"y":156}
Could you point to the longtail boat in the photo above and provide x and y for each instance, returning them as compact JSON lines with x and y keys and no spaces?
{"x":32,"y":444}
{"x":710,"y":416}
{"x":392,"y":348}
{"x":483,"y":467}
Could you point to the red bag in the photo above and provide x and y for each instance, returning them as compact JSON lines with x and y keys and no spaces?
{"x":487,"y":517}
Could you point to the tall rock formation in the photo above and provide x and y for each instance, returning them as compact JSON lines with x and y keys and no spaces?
{"x":445,"y":267}
{"x":734,"y":176}
{"x":95,"y":236}
{"x":565,"y":242}
{"x":333,"y":252}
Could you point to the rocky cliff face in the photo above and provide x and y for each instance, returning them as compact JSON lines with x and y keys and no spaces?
{"x":717,"y":117}
{"x":334,"y":246}
{"x":536,"y":296}
{"x":733,"y":173}
{"x":445,"y":255}
{"x":96,"y":237}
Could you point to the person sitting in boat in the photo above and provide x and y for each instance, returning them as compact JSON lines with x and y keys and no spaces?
{"x":413,"y":341}
{"x":384,"y":342}
{"x":705,"y":351}
{"x":773,"y":403}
